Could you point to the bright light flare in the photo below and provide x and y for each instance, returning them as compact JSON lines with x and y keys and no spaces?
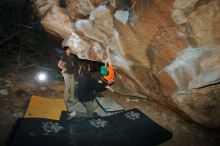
{"x":42,"y":77}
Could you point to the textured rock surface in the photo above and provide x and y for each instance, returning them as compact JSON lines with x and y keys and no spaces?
{"x":204,"y":24}
{"x":167,"y":49}
{"x":198,"y":105}
{"x":78,"y":8}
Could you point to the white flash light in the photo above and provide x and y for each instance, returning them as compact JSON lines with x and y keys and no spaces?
{"x":42,"y":76}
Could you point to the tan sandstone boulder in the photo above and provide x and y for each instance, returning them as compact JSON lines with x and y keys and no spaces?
{"x":164,"y":49}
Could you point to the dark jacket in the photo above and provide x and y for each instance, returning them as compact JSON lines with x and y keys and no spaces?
{"x":69,"y":63}
{"x":87,"y":88}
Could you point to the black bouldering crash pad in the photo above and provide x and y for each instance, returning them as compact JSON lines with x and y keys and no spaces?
{"x":129,"y":128}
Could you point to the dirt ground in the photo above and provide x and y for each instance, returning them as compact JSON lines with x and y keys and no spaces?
{"x":185,"y":133}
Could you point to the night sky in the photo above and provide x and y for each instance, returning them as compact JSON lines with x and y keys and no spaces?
{"x":23,"y":41}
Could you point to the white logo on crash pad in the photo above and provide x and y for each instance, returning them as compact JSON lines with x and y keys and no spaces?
{"x":51,"y":128}
{"x":132,"y":115}
{"x":98,"y":123}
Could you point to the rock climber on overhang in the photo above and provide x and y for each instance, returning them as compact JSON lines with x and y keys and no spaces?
{"x":107,"y":71}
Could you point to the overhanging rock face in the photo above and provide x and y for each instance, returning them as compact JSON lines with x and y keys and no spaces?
{"x":166,"y":50}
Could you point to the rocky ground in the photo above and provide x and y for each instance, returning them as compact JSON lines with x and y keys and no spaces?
{"x":16,"y":95}
{"x":184,"y":132}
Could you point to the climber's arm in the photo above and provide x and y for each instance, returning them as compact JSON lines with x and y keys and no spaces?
{"x":108,"y":59}
{"x":61,"y":66}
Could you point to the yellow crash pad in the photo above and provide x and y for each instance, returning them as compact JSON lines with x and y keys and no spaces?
{"x":49,"y":108}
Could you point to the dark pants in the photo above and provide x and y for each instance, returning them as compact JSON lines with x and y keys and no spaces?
{"x":89,"y":109}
